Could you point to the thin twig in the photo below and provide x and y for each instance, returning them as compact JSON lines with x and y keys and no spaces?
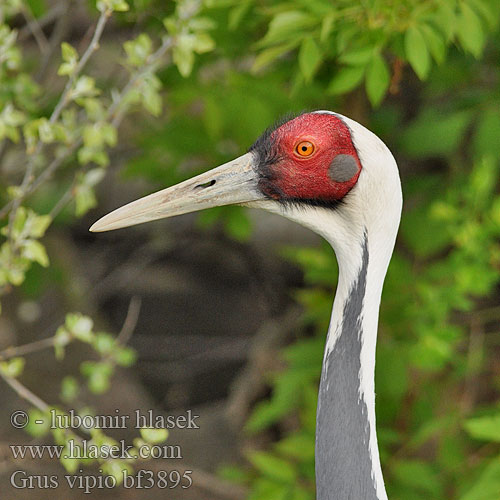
{"x":50,"y":16}
{"x":115,"y":114}
{"x":36,"y":30}
{"x":130,"y":322}
{"x":489,"y":314}
{"x":92,"y":47}
{"x":21,"y":350}
{"x":123,"y":337}
{"x":476,"y":341}
{"x":24,"y":188}
{"x":114,"y":111}
{"x":58,"y":33}
{"x":62,"y":202}
{"x":25,"y":393}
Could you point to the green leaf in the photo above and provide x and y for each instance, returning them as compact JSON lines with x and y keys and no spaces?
{"x":38,"y":225}
{"x":80,"y":326}
{"x":267,"y":56}
{"x":98,"y":374}
{"x":69,"y":464}
{"x":125,"y":356}
{"x":104,"y":343}
{"x":117,"y":469}
{"x":233,"y":473}
{"x":434,"y":42}
{"x":93,"y":176}
{"x":46,"y":131}
{"x":445,"y":19}
{"x":10,"y":120}
{"x":69,"y":389}
{"x":138,"y":50}
{"x":154,"y":436}
{"x":237,"y":14}
{"x":198,"y":24}
{"x":287,"y":25}
{"x":484,"y":428}
{"x":327,"y":26}
{"x":309,"y":58}
{"x":359,"y":56}
{"x":488,"y":10}
{"x":92,"y":137}
{"x":487,"y":487}
{"x":113,"y":5}
{"x":183,"y":58}
{"x":272,"y":466}
{"x":69,"y":53}
{"x":38,"y":429}
{"x":84,"y":87}
{"x":35,"y":251}
{"x":12,"y":367}
{"x":345,"y":80}
{"x":470,"y":33}
{"x":61,"y":339}
{"x":203,"y":43}
{"x":419,"y":476}
{"x":269,"y":489}
{"x":298,"y":446}
{"x":377,"y":79}
{"x":486,"y":139}
{"x":38,"y":7}
{"x":416,"y":52}
{"x":84,"y":198}
{"x":264,"y":415}
{"x":482,"y":181}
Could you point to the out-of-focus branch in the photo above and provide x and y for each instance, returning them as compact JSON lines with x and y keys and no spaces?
{"x":116,"y":111}
{"x":115,"y":114}
{"x":92,"y":47}
{"x":27,"y":181}
{"x":50,"y":16}
{"x":25,"y":393}
{"x":123,"y":337}
{"x":474,"y":354}
{"x":38,"y":345}
{"x":262,"y":354}
{"x":130,"y":322}
{"x":36,"y":30}
{"x":60,"y":29}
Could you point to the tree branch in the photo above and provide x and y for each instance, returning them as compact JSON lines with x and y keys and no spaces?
{"x":25,"y":393}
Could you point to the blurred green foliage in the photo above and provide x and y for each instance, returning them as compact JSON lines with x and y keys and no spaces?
{"x":425,"y":76}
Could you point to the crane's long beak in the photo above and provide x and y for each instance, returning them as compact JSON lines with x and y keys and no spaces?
{"x":234,"y":182}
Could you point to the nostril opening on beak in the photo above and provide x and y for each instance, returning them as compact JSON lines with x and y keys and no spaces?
{"x":206,"y":184}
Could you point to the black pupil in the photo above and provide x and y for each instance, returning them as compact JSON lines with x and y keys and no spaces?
{"x":304,"y":148}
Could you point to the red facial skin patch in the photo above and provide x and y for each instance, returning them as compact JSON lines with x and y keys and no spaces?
{"x":289,"y":176}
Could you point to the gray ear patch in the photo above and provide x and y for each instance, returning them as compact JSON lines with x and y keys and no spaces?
{"x":342,"y":168}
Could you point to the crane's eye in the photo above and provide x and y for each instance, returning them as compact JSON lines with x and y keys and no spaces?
{"x":304,"y":148}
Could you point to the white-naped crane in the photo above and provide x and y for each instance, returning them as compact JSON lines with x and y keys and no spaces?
{"x":332,"y":175}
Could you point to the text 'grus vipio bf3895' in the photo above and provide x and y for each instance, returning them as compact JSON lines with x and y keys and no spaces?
{"x":332,"y":175}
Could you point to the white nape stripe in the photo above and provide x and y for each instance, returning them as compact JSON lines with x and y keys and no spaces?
{"x":374,"y":203}
{"x":372,"y":207}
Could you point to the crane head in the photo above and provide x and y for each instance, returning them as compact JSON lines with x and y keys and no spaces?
{"x":311,"y":160}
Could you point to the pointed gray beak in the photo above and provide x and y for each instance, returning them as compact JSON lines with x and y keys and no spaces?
{"x":234,"y":182}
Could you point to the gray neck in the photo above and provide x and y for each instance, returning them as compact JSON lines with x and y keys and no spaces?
{"x":344,"y":468}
